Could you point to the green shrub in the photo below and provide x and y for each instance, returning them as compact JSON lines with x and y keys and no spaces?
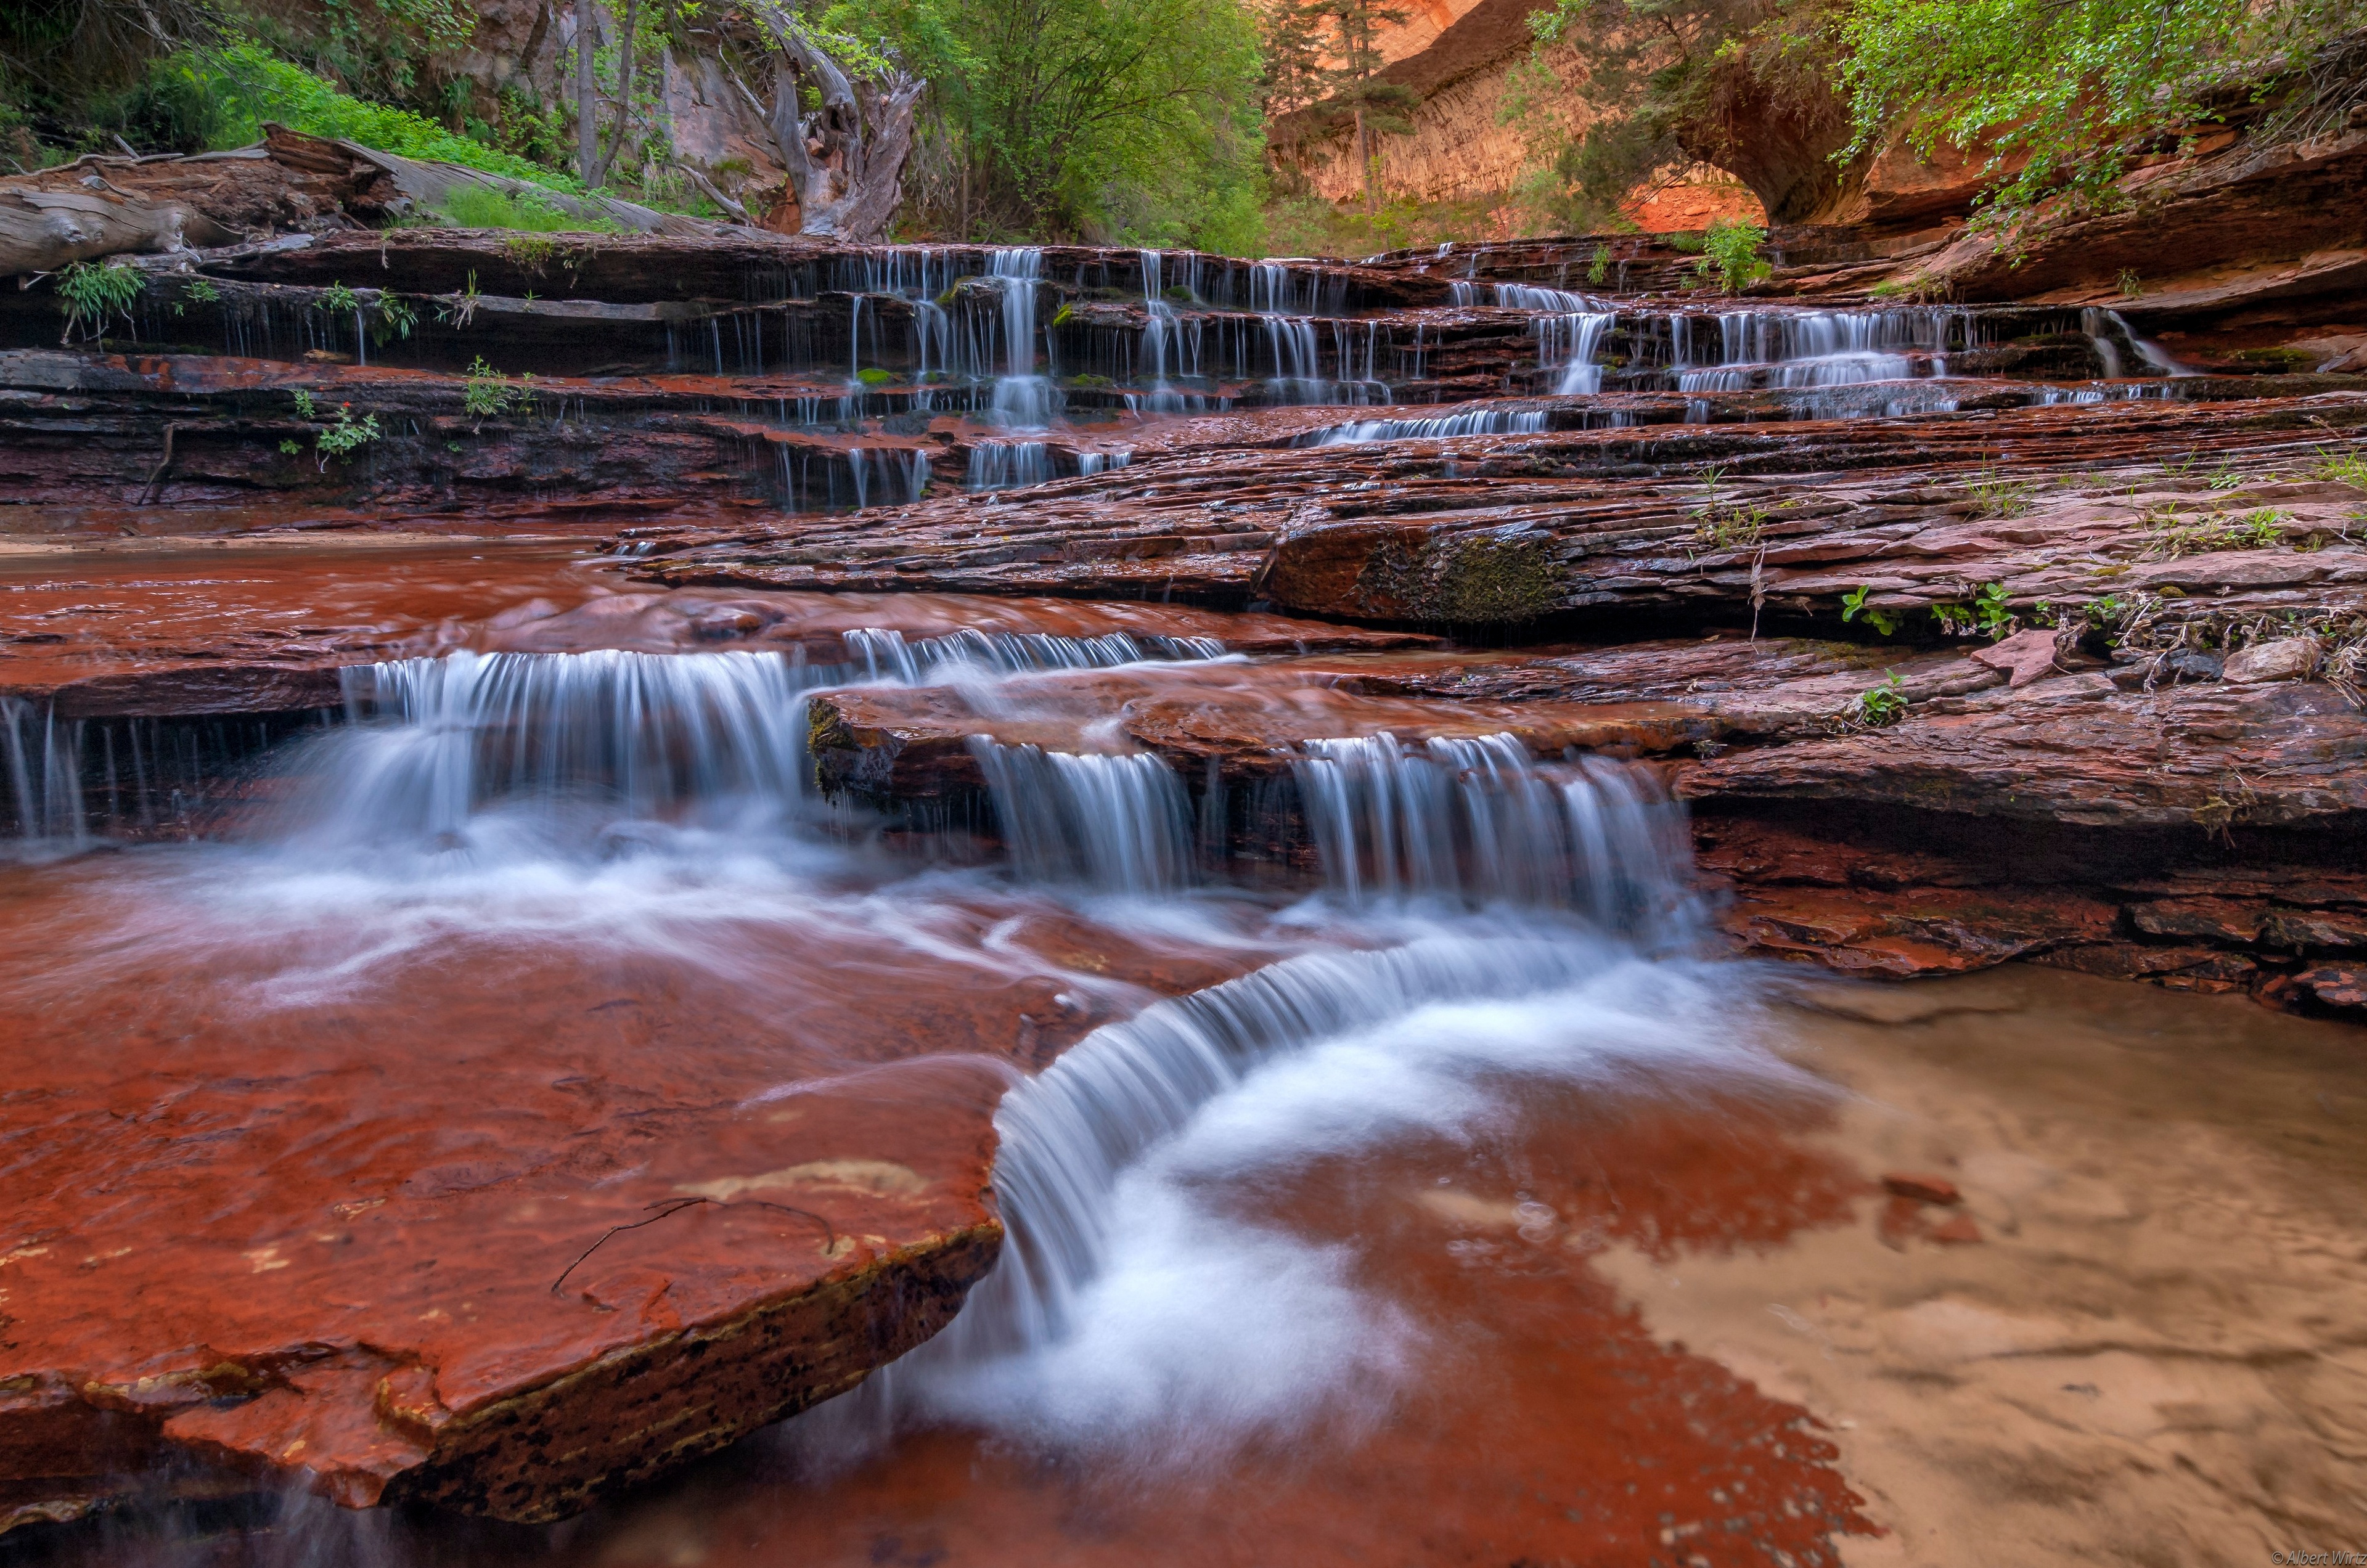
{"x":487,"y":393}
{"x":346,"y":436}
{"x":1730,"y":249}
{"x":246,"y":84}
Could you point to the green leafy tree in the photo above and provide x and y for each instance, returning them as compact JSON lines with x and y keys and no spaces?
{"x":1121,"y":120}
{"x":2059,"y":91}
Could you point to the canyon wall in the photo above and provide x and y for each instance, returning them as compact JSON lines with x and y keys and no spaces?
{"x":1456,"y":54}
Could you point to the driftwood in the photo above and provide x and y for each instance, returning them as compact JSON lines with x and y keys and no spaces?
{"x":42,"y":230}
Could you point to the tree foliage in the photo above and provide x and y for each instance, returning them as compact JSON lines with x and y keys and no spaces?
{"x":2054,"y":90}
{"x":1121,"y":120}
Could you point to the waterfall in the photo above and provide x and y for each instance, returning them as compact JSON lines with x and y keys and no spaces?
{"x":886,"y":655}
{"x":1120,"y":823}
{"x":1158,"y":327}
{"x":1472,"y":422}
{"x":1006,"y":465}
{"x":650,"y":735}
{"x":1131,"y":1305}
{"x":1022,"y":399}
{"x":44,"y":773}
{"x":1476,"y":821}
{"x":1526,"y":297}
{"x":1567,"y":342}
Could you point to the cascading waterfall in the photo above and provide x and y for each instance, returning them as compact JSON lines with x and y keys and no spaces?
{"x":1476,"y":821}
{"x":649,"y":735}
{"x":1158,"y":327}
{"x":1472,"y":422}
{"x":887,"y":655}
{"x":1132,"y":1307}
{"x":1007,"y":464}
{"x":1567,"y":344}
{"x":1022,"y":399}
{"x":1120,"y":823}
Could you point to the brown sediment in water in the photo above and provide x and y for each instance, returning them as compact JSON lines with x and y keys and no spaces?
{"x":2135,"y":1338}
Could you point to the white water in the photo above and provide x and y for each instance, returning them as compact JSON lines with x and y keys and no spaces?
{"x":44,"y":773}
{"x":1022,"y":399}
{"x":1142,"y":1305}
{"x":1567,"y":344}
{"x":1473,"y":421}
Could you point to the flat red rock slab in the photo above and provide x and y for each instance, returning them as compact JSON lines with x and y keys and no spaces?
{"x":500,"y":1224}
{"x":264,"y":626}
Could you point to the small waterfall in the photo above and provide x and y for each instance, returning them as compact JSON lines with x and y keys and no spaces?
{"x":888,"y":475}
{"x":1158,"y":326}
{"x":1476,"y":821}
{"x":1567,"y":342}
{"x":1474,"y":422}
{"x":1131,"y":1304}
{"x":44,"y":773}
{"x":884,"y":654}
{"x":1814,"y":349}
{"x":1099,"y":462}
{"x":1527,"y":297}
{"x":1120,"y":823}
{"x":650,"y":735}
{"x":1006,"y":465}
{"x":1022,"y":399}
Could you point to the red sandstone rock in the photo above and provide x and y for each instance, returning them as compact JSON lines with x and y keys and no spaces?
{"x":1921,"y":1187}
{"x":1960,"y":1231}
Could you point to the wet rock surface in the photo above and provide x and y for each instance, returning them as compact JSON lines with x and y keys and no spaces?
{"x":1965,"y":635}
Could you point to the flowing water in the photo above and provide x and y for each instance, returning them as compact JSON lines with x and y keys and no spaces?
{"x":1311,"y":1097}
{"x":474,"y":841}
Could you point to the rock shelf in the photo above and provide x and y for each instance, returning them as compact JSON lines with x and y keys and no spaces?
{"x":1966,"y":630}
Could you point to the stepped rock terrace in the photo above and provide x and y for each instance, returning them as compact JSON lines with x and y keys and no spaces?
{"x":623,"y":847}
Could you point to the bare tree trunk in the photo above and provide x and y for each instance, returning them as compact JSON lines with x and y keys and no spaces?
{"x":846,"y":160}
{"x":587,"y":96}
{"x":1365,"y":162}
{"x":624,"y":91}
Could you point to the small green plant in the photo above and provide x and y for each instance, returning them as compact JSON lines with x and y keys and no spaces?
{"x":874,"y":376}
{"x":396,"y":318}
{"x":346,"y":436}
{"x":1854,"y":605}
{"x":489,"y":394}
{"x":1730,"y":250}
{"x":1994,"y":495}
{"x":292,"y":449}
{"x":96,"y":294}
{"x":2170,"y":533}
{"x":461,"y":309}
{"x":2131,"y":285}
{"x":2344,"y":468}
{"x":1732,"y":528}
{"x":304,"y":406}
{"x":1989,"y":610}
{"x":196,"y":290}
{"x":339,"y":300}
{"x":1598,"y":270}
{"x":1881,"y":707}
{"x":1062,"y":317}
{"x":2224,"y":478}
